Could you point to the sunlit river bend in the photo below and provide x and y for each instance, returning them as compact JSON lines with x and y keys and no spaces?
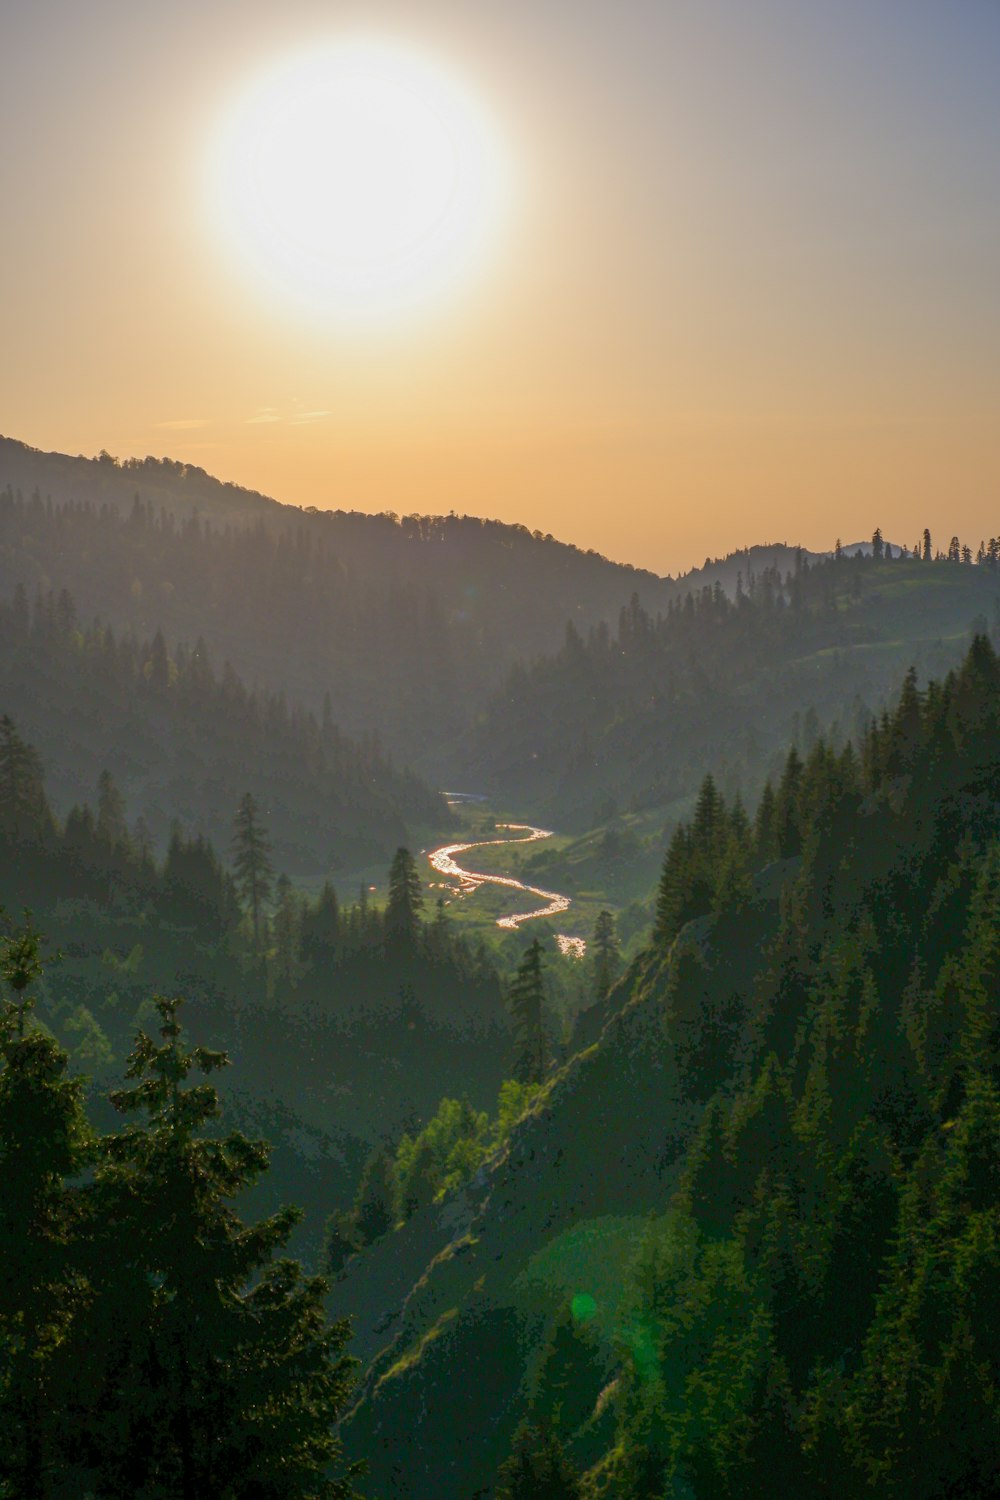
{"x":443,"y":860}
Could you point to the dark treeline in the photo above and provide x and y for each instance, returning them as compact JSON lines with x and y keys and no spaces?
{"x":152,"y":1343}
{"x":401,"y":620}
{"x":351,"y":1018}
{"x":178,"y":735}
{"x":723,"y":678}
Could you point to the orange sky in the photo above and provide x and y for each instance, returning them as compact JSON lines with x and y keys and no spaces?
{"x":747,"y":289}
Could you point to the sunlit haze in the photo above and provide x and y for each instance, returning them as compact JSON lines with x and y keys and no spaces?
{"x":660,"y":279}
{"x":359,"y":181}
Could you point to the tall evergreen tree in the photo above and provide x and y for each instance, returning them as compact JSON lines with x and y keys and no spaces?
{"x":538,"y":1469}
{"x":606,"y":954}
{"x":526,"y":999}
{"x":286,"y":933}
{"x":43,"y":1146}
{"x":252,"y":863}
{"x":24,"y":810}
{"x":672,"y":897}
{"x":406,"y":899}
{"x":207,"y":1366}
{"x":111,"y":825}
{"x":373,"y":1213}
{"x":319,"y":933}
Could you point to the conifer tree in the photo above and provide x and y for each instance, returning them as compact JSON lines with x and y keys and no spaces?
{"x":286,"y":933}
{"x":526,"y":1000}
{"x":538,"y":1469}
{"x":607,"y":954}
{"x":787,"y":832}
{"x":252,"y":864}
{"x":158,"y":664}
{"x":672,"y":893}
{"x":764,"y":838}
{"x":373,"y":1214}
{"x":111,"y":825}
{"x":24,"y":810}
{"x":207,"y":1366}
{"x":406,"y":899}
{"x":320,"y":929}
{"x":439,"y":933}
{"x":44,"y":1143}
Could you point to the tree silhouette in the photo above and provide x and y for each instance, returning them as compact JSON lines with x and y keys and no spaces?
{"x":406,"y":899}
{"x":526,"y":999}
{"x":252,"y":863}
{"x":207,"y":1365}
{"x":607,"y":954}
{"x":43,"y":1142}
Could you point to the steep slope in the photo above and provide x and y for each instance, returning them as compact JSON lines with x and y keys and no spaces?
{"x":746,"y":1242}
{"x":459,"y":1299}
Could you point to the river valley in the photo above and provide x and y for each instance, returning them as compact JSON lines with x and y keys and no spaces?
{"x":466,"y":881}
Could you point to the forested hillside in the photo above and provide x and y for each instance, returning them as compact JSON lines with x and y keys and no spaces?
{"x":745,"y":1243}
{"x":406,"y":623}
{"x":346,"y":1022}
{"x":624,"y":721}
{"x":183,"y":738}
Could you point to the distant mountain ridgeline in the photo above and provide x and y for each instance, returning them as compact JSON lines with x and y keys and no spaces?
{"x":408,"y":624}
{"x":180,"y":488}
{"x":486,"y":655}
{"x":629,"y":720}
{"x":184,"y":740}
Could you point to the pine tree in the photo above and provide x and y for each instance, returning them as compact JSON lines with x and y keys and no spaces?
{"x":787,"y":831}
{"x":24,"y":810}
{"x":526,"y":999}
{"x":439,"y":933}
{"x":111,"y":825}
{"x":339,"y":1244}
{"x":538,"y":1469}
{"x":374,"y":1213}
{"x":406,"y":899}
{"x":158,"y":664}
{"x":44,"y":1144}
{"x":320,"y":929}
{"x":765,"y":846}
{"x":286,"y":934}
{"x":672,"y":898}
{"x":252,"y":863}
{"x":196,"y":890}
{"x":207,"y":1366}
{"x":606,"y":954}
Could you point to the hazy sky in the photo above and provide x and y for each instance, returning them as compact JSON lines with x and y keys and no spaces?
{"x":747,"y":286}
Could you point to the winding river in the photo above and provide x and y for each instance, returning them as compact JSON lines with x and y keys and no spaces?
{"x":443,"y":860}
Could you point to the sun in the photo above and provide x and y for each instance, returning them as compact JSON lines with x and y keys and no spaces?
{"x":359,"y":178}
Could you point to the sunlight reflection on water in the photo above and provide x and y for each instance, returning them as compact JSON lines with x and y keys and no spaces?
{"x":443,"y":861}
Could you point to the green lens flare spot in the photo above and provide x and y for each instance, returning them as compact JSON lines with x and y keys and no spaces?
{"x":583,"y":1307}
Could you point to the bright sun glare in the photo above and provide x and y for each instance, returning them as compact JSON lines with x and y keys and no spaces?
{"x":361,"y":179}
